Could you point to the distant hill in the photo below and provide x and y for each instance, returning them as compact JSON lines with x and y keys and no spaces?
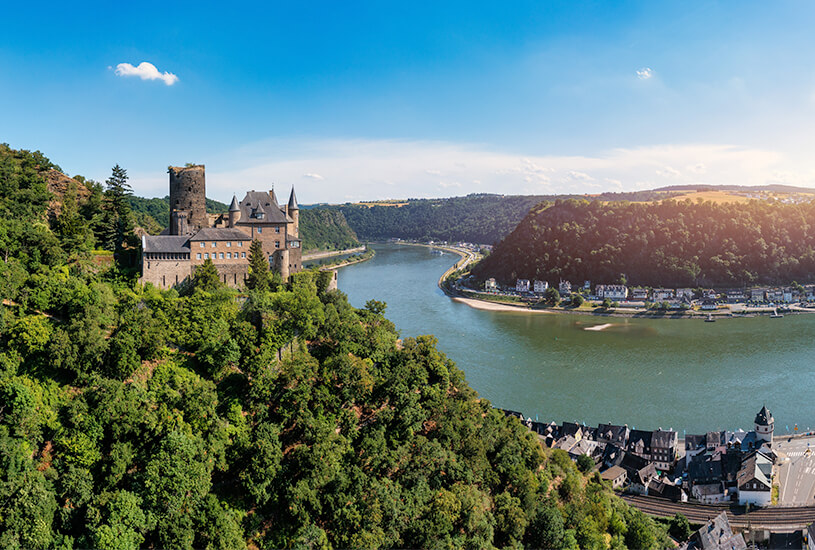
{"x":323,"y":229}
{"x":671,"y":243}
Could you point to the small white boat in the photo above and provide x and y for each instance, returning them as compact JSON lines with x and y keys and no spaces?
{"x":709,"y":318}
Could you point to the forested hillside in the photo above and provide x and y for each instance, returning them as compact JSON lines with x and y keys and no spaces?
{"x":323,"y":229}
{"x":668,"y":243}
{"x":482,"y":219}
{"x":276,"y":417}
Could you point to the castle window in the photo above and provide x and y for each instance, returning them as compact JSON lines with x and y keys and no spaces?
{"x":243,"y":254}
{"x":206,"y":255}
{"x":277,"y":244}
{"x":277,"y":229}
{"x":260,"y":230}
{"x":228,"y":255}
{"x":198,"y":256}
{"x":203,"y":244}
{"x":240,"y":245}
{"x":228,"y":244}
{"x":214,"y":244}
{"x":221,"y":255}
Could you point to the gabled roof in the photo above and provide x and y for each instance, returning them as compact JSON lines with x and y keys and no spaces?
{"x":637,"y":436}
{"x":166,"y":244}
{"x":260,"y":207}
{"x":756,"y":466}
{"x":716,"y":535}
{"x":664,"y":439}
{"x":220,"y":234}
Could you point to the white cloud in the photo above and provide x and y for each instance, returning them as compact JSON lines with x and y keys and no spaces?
{"x":383,"y":169}
{"x":433,"y":172}
{"x":145,"y":71}
{"x":313,"y":176}
{"x":645,"y":73}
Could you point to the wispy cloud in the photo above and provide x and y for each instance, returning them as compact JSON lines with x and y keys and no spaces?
{"x":380,"y":169}
{"x":645,"y":73}
{"x":146,"y":71}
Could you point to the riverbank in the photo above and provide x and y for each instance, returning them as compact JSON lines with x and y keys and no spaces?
{"x":359,"y":258}
{"x":318,"y":255}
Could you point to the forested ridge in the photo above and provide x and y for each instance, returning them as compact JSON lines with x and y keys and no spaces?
{"x":477,"y":218}
{"x":323,"y":229}
{"x":668,"y":243}
{"x":276,"y":416}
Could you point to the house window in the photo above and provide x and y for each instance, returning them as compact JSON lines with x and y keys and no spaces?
{"x":199,"y":256}
{"x":203,"y":244}
{"x":260,"y":230}
{"x":221,"y":256}
{"x":206,"y":255}
{"x":228,"y":255}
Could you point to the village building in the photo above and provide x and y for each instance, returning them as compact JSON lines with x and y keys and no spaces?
{"x":639,"y":443}
{"x":664,"y":449}
{"x":490,"y":285}
{"x":194,"y":236}
{"x":565,"y":287}
{"x":540,"y":287}
{"x":758,"y":294}
{"x":663,"y":294}
{"x":616,"y":475}
{"x":755,"y":480}
{"x":716,"y":534}
{"x":684,"y":294}
{"x":522,"y":285}
{"x":639,"y":294}
{"x":615,"y":435}
{"x":735,"y":296}
{"x":765,"y":425}
{"x":710,"y":493}
{"x":612,"y":292}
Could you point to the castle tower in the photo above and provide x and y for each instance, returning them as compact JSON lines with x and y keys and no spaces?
{"x":764,"y":425}
{"x":294,"y":213}
{"x":187,"y":197}
{"x":234,"y":212}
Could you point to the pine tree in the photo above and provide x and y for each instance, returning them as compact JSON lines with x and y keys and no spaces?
{"x":259,"y":276}
{"x":118,"y":216}
{"x":206,"y":277}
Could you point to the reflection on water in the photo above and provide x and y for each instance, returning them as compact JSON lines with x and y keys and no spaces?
{"x":683,"y":373}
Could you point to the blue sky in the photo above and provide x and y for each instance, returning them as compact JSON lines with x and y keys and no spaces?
{"x":351,"y":101}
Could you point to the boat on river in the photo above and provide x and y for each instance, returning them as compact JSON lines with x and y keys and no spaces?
{"x":710,"y":318}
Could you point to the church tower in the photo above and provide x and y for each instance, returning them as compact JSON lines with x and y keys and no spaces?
{"x":764,"y":425}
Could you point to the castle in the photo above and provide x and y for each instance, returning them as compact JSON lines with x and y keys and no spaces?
{"x":195,"y":236}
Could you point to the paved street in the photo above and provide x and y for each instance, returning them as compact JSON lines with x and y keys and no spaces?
{"x":796,"y":471}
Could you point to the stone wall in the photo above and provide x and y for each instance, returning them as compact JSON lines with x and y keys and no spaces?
{"x":188,"y":194}
{"x":165,"y":273}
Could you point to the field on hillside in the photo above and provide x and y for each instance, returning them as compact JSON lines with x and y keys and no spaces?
{"x":716,"y":197}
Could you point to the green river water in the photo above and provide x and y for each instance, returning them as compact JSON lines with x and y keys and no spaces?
{"x":680,"y":374}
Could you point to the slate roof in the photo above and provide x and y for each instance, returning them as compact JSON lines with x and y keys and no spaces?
{"x":662,"y":439}
{"x":293,"y":201}
{"x":704,"y":470}
{"x":166,"y":244}
{"x":755,"y":466}
{"x":261,"y":207}
{"x":610,"y":432}
{"x":693,"y":442}
{"x":659,"y":488}
{"x":234,"y":207}
{"x":571,"y":428}
{"x":220,"y":234}
{"x":715,"y":535}
{"x":637,"y":436}
{"x":764,"y":417}
{"x":613,"y":473}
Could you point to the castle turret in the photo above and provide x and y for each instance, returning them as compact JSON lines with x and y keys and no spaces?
{"x":294,"y":213}
{"x":234,"y":212}
{"x":764,"y":425}
{"x":187,"y":197}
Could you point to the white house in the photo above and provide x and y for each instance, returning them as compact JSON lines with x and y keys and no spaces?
{"x":663,"y":294}
{"x":522,"y":285}
{"x":684,"y":294}
{"x":540,"y":286}
{"x":710,"y":493}
{"x":565,"y":287}
{"x":639,"y":294}
{"x":612,"y":292}
{"x":755,"y":480}
{"x":757,"y":294}
{"x":490,"y":285}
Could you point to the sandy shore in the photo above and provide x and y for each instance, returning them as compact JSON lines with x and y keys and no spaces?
{"x":492,"y":306}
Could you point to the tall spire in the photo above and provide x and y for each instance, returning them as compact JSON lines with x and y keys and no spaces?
{"x":293,"y":200}
{"x":234,"y":206}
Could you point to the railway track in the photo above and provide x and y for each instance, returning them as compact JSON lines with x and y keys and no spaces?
{"x":773,"y":518}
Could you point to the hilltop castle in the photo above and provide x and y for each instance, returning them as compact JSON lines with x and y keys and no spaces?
{"x":195,"y":236}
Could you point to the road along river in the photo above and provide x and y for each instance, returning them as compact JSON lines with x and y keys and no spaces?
{"x":649,"y":373}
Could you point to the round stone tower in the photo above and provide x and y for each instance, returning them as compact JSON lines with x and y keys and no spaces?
{"x":234,"y":212}
{"x":188,"y":195}
{"x":764,"y":425}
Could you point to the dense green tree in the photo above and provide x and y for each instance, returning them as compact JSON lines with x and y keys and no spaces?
{"x":119,"y":221}
{"x":679,"y":528}
{"x":551,"y":296}
{"x":259,"y":274}
{"x":206,"y":277}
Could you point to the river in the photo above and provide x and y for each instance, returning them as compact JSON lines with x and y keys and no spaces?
{"x":680,"y":374}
